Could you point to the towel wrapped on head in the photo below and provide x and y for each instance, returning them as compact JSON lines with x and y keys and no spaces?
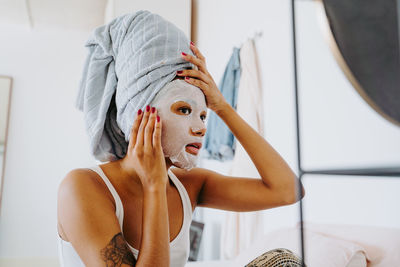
{"x":130,"y":60}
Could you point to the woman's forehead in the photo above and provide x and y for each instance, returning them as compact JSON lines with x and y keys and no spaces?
{"x":184,"y":89}
{"x":179,"y":90}
{"x":191,"y":95}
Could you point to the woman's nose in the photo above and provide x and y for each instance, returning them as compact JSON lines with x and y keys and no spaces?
{"x":199,"y":132}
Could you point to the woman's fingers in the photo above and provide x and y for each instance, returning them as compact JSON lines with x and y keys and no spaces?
{"x":194,"y":73}
{"x":157,"y":135}
{"x":196,"y":61}
{"x":199,"y":60}
{"x":143,"y":134}
{"x":146,"y":132}
{"x":140,"y":138}
{"x":148,"y":146}
{"x":134,"y":130}
{"x":197,"y":52}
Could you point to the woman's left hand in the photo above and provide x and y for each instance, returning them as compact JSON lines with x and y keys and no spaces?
{"x":202,"y":79}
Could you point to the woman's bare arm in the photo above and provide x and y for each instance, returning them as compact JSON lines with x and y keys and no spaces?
{"x":273,"y":169}
{"x":88,"y":219}
{"x":155,"y":230}
{"x":145,"y":158}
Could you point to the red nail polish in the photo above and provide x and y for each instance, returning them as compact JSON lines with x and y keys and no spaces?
{"x":179,"y":71}
{"x":184,"y":54}
{"x":192,"y":43}
{"x":153,"y":109}
{"x":158,"y":118}
{"x":187,"y":78}
{"x":139,"y":112}
{"x":147,"y":108}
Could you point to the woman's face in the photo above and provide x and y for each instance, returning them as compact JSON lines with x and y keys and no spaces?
{"x":182,"y":109}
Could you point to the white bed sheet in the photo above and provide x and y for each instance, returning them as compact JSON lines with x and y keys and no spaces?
{"x":321,"y":250}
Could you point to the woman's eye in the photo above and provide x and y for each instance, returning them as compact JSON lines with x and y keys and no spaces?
{"x":184,"y":109}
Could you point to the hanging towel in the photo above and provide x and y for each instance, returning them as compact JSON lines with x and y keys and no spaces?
{"x":219,"y":142}
{"x":130,"y":59}
{"x":240,"y":229}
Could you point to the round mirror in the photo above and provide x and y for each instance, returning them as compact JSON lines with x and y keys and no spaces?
{"x":364,"y":37}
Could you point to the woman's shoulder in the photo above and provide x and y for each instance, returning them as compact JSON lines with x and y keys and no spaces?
{"x":80,"y":178}
{"x":84,"y":182}
{"x":192,"y":181}
{"x":81,"y":197}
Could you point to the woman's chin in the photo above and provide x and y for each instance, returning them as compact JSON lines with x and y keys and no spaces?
{"x":186,"y":167}
{"x":183,"y":160}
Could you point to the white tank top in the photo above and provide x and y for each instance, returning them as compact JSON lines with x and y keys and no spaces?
{"x":179,"y":247}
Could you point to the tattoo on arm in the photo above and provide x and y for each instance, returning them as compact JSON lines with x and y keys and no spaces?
{"x":117,"y":253}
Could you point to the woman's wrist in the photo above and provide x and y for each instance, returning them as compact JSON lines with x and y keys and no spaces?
{"x":223,"y":109}
{"x":155,"y":187}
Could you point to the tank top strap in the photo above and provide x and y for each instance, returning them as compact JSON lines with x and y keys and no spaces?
{"x":119,"y":210}
{"x":187,"y":204}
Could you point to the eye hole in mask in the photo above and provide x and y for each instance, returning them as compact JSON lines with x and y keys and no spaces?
{"x":187,"y":110}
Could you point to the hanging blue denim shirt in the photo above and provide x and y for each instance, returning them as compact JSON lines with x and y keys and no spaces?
{"x":220,"y":143}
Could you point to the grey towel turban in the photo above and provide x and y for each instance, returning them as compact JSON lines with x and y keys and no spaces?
{"x":130,"y":60}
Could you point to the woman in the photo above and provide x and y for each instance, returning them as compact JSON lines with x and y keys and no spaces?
{"x":136,"y":202}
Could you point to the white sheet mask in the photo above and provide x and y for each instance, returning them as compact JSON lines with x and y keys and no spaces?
{"x":181,"y":126}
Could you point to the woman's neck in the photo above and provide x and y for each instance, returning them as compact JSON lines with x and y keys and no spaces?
{"x":128,"y":180}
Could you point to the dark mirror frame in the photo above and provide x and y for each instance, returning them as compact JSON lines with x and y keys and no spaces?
{"x":6,"y":126}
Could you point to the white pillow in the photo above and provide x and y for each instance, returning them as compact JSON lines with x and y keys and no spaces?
{"x":358,"y":260}
{"x":319,"y":250}
{"x":382,"y":245}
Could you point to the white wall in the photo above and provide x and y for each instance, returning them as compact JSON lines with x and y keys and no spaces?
{"x":338,"y":128}
{"x":46,"y":136}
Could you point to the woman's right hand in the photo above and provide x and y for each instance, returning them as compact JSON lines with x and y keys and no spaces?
{"x":145,"y":156}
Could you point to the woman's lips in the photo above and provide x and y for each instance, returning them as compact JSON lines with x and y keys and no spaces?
{"x":192,"y":150}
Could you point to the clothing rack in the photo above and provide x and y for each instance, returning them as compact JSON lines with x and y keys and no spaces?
{"x":256,"y":36}
{"x":368,"y":172}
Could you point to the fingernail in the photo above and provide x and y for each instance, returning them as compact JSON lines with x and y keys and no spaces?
{"x":153,"y":109}
{"x":179,"y":71}
{"x":183,"y":54}
{"x":187,"y":78}
{"x":191,"y":43}
{"x":139,"y":112}
{"x":158,"y":118}
{"x":147,"y":108}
